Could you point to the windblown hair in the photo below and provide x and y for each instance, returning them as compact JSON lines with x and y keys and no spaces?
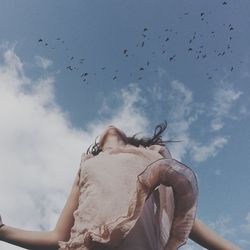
{"x":156,"y":139}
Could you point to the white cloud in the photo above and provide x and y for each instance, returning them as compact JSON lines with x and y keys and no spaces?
{"x":202,"y":152}
{"x":224,"y":98}
{"x":222,"y":226}
{"x":246,"y":226}
{"x":40,"y":149}
{"x":192,"y":246}
{"x":43,"y":62}
{"x":127,"y":117}
{"x":182,"y":115}
{"x":183,"y":112}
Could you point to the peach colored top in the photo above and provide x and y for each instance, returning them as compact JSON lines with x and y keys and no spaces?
{"x":118,"y":210}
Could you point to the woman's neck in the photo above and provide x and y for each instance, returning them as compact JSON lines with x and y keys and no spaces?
{"x":112,"y":142}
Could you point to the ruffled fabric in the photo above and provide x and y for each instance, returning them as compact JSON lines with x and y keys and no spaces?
{"x":114,"y":188}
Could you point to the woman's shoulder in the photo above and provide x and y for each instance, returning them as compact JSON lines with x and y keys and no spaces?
{"x":163,"y":150}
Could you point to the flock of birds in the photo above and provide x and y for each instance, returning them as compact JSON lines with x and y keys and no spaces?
{"x":76,"y":63}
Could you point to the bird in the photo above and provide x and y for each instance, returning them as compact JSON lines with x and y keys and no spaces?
{"x":115,"y":77}
{"x":145,"y":29}
{"x":84,"y":74}
{"x":142,"y":44}
{"x":224,"y":3}
{"x":172,"y":58}
{"x":231,"y":68}
{"x":189,"y":49}
{"x":141,"y":68}
{"x":69,"y":67}
{"x":40,"y":40}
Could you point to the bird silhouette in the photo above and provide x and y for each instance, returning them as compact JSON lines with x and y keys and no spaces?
{"x":70,"y":68}
{"x":161,"y":48}
{"x":172,"y":58}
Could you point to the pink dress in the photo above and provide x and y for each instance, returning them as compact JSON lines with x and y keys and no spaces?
{"x":119,"y":206}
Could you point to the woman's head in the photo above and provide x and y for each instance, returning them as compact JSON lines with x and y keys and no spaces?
{"x":114,"y":132}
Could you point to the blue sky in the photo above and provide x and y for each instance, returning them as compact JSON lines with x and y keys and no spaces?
{"x":186,"y":62}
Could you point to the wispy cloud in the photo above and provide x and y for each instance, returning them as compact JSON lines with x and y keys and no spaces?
{"x":246,"y":226}
{"x":224,"y":98}
{"x":182,"y":113}
{"x":202,"y":152}
{"x":222,"y":225}
{"x":43,"y":62}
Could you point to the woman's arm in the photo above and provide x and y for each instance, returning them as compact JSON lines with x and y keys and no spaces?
{"x":207,"y":238}
{"x":35,"y":240}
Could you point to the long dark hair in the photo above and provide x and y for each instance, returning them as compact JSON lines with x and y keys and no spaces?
{"x":156,"y":139}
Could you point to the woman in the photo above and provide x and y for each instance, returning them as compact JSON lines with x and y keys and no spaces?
{"x":128,"y":194}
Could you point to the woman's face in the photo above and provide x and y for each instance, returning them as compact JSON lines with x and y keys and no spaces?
{"x":112,"y":131}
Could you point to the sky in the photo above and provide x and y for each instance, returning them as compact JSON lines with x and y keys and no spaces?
{"x":68,"y":69}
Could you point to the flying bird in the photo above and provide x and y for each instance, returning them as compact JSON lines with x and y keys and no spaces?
{"x":69,"y":67}
{"x":84,"y":74}
{"x":172,"y":58}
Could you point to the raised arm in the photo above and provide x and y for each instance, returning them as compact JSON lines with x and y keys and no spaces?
{"x":35,"y":240}
{"x":182,"y":180}
{"x":207,"y":238}
{"x":200,"y":233}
